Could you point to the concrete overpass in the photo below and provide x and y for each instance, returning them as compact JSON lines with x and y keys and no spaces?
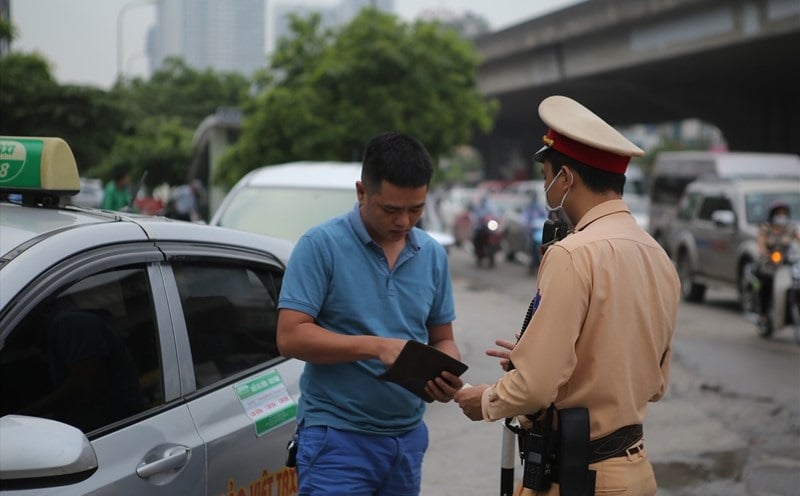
{"x":731,"y":63}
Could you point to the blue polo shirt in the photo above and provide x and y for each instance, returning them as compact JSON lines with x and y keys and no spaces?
{"x":340,"y":276}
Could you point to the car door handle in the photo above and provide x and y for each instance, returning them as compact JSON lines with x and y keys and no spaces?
{"x":171,"y":459}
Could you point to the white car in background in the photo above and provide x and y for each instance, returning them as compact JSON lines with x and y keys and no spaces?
{"x":285,"y":200}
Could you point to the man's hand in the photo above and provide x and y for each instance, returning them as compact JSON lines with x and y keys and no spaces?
{"x":469,"y":399}
{"x":503,"y":355}
{"x":444,"y":387}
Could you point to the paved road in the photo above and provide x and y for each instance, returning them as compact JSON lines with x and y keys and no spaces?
{"x":729,"y":425}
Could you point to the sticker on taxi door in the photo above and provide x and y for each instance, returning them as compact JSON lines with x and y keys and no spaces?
{"x":266,"y":401}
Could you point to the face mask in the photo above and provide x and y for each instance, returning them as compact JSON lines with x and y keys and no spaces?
{"x":558,"y":223}
{"x":780,"y":220}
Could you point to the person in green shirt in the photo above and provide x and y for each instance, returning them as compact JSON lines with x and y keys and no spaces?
{"x":117,"y":193}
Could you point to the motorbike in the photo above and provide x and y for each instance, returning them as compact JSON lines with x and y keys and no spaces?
{"x":487,"y":238}
{"x":784,"y":263}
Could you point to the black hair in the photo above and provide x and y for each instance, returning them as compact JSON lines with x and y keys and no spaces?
{"x":119,"y":173}
{"x":778,"y":205}
{"x":597,"y":180}
{"x":397,"y":158}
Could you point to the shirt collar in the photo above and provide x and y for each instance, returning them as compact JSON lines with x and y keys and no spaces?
{"x":602,"y":210}
{"x":363,"y":235}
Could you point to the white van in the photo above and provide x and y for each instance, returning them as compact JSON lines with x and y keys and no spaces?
{"x":673,"y":171}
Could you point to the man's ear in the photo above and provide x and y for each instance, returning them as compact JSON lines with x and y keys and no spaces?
{"x":570,"y":177}
{"x":361,"y":192}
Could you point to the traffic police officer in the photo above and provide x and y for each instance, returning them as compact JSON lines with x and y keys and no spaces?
{"x":604,"y":312}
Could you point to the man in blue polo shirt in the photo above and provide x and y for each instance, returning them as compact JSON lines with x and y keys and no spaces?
{"x":356,"y":289}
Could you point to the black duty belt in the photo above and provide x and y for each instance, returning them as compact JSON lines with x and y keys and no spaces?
{"x":618,"y":443}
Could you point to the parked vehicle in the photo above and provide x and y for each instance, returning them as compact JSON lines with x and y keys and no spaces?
{"x":713,"y":238}
{"x":785,"y":311}
{"x":452,"y":203}
{"x":285,"y":200}
{"x":673,"y":171}
{"x":137,"y":353}
{"x":90,"y":195}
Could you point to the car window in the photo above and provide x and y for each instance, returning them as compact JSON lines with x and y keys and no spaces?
{"x":231,"y":317}
{"x":688,"y":205}
{"x":87,"y":356}
{"x":757,"y":204}
{"x":711,"y":204}
{"x":668,"y":189}
{"x":285,"y":212}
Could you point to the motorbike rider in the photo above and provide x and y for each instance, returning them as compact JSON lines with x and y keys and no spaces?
{"x":776,"y":233}
{"x":479,"y":215}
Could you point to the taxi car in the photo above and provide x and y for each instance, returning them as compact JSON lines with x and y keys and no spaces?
{"x":137,"y":354}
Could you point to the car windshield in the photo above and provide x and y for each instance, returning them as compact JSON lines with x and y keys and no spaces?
{"x":285,"y":212}
{"x":758,"y":203}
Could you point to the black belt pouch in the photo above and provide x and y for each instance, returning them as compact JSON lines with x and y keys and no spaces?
{"x":575,"y":478}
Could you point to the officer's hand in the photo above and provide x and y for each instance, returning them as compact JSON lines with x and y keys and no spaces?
{"x":503,"y":355}
{"x":469,"y":399}
{"x":444,"y":387}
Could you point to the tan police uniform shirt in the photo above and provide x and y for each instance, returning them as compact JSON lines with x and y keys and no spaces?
{"x":600,"y":336}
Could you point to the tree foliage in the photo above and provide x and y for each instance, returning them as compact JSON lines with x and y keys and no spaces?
{"x":179,"y":91}
{"x":162,"y":114}
{"x":327,"y":92}
{"x":33,"y":104}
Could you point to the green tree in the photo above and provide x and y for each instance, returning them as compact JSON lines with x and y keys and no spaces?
{"x":162,"y":146}
{"x":177,"y":90}
{"x":162,"y":114}
{"x":33,"y":104}
{"x":328,"y":91}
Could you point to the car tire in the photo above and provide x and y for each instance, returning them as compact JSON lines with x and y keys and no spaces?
{"x":690,"y":291}
{"x":748,"y":293}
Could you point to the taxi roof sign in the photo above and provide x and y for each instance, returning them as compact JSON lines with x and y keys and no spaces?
{"x":33,"y":164}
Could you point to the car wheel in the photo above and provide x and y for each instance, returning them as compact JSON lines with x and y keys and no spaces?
{"x":691,"y":292}
{"x":748,"y":289}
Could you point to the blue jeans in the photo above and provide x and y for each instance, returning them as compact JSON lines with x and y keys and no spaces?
{"x":335,"y":462}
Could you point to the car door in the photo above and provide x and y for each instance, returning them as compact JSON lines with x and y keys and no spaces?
{"x":241,"y":393}
{"x":714,"y":241}
{"x":90,"y":343}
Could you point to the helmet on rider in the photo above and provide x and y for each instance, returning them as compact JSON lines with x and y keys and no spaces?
{"x":777,"y":207}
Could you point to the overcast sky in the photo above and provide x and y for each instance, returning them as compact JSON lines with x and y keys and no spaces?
{"x":80,"y":37}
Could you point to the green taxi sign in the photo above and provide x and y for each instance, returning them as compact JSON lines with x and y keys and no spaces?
{"x":37,"y":164}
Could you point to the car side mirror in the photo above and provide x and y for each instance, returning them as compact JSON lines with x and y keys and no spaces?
{"x":723,"y":218}
{"x":38,"y":452}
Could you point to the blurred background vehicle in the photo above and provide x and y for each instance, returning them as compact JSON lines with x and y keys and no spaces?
{"x":713,"y":236}
{"x":673,"y":171}
{"x":451,"y":203}
{"x":523,"y":228}
{"x":636,"y":196}
{"x":90,"y":195}
{"x":285,"y":200}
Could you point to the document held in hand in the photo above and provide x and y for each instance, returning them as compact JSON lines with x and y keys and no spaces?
{"x":417,"y":364}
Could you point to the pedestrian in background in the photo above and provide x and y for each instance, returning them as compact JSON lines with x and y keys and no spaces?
{"x":356,"y":289}
{"x":186,"y":202}
{"x":117,"y":193}
{"x":599,"y":339}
